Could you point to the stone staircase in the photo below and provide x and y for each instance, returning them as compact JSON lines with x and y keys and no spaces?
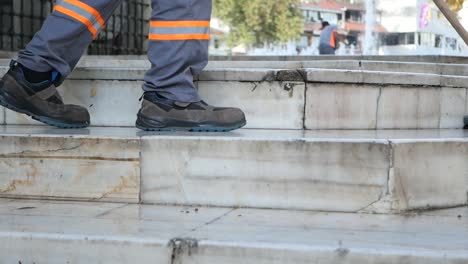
{"x":354,"y":161}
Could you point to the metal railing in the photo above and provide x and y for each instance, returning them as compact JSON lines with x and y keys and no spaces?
{"x":125,"y":33}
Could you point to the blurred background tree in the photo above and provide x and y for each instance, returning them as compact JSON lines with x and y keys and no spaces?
{"x":256,"y":22}
{"x":456,"y":5}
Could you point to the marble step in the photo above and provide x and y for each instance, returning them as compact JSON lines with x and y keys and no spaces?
{"x":70,"y":232}
{"x":383,"y":171}
{"x":310,"y":98}
{"x":395,"y":58}
{"x":369,"y":65}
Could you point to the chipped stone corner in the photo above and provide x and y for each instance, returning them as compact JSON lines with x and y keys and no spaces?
{"x":387,"y":202}
{"x":182,"y":247}
{"x":392,"y":200}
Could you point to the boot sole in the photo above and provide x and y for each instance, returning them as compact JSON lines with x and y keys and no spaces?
{"x":42,"y":119}
{"x":140,"y":124}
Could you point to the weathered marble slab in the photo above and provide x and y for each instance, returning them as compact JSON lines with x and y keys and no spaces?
{"x":466,"y":107}
{"x":454,"y":81}
{"x":334,"y":76}
{"x":453,"y":69}
{"x":266,"y":104}
{"x":345,"y":106}
{"x":274,"y":98}
{"x":296,"y":173}
{"x":2,"y":115}
{"x":430,"y":173}
{"x":124,"y":73}
{"x":332,"y":64}
{"x":409,"y":108}
{"x":371,"y":77}
{"x":341,"y":106}
{"x":381,"y":171}
{"x":453,"y":104}
{"x":308,"y":236}
{"x":57,"y":233}
{"x":401,"y":78}
{"x":69,"y":167}
{"x":110,"y":103}
{"x":388,"y":66}
{"x":115,"y":103}
{"x":255,"y":64}
{"x":239,"y":75}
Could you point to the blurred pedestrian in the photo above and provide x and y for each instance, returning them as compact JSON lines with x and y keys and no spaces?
{"x":328,"y":39}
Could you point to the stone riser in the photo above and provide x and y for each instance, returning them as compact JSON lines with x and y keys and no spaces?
{"x":368,"y":65}
{"x":329,"y":171}
{"x":285,"y":99}
{"x":271,"y":105}
{"x":57,"y":233}
{"x":72,"y":168}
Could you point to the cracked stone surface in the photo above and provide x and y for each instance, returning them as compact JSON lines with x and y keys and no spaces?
{"x":312,"y":170}
{"x":2,"y":115}
{"x":341,"y":106}
{"x":383,"y":171}
{"x":59,"y":232}
{"x":69,"y":168}
{"x":296,"y":173}
{"x":266,"y":104}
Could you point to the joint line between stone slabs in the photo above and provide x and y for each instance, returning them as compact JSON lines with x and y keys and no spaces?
{"x":182,"y":243}
{"x":466,"y":101}
{"x":377,"y":108}
{"x":439,"y":121}
{"x":26,"y":152}
{"x":19,"y":156}
{"x":208,"y":223}
{"x":303,"y":74}
{"x":4,"y":115}
{"x":111,"y":210}
{"x":140,"y":167}
{"x":386,"y":189}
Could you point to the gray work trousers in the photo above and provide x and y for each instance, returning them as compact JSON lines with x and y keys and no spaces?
{"x":178,"y":42}
{"x":325,"y":49}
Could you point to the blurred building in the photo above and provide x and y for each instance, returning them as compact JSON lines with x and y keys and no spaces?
{"x":418,"y":27}
{"x":218,"y":40}
{"x":349,"y":17}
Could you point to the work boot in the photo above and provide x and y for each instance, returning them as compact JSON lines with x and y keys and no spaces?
{"x":161,"y":114}
{"x":41,"y":100}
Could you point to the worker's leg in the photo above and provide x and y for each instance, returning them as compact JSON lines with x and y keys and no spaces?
{"x":178,"y":50}
{"x":28,"y":87}
{"x":65,"y":35}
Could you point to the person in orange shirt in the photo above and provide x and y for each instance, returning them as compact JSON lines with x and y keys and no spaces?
{"x":328,"y":39}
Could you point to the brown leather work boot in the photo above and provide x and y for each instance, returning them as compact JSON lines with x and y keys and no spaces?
{"x":41,"y":101}
{"x":160,"y":114}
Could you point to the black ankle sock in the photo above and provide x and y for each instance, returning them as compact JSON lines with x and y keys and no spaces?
{"x":36,"y":77}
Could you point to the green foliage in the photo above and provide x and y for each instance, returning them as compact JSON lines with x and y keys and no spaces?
{"x":254,"y":22}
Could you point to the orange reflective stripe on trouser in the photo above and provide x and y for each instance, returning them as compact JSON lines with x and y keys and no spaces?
{"x":82,"y":12}
{"x":333,"y":39}
{"x":179,"y":30}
